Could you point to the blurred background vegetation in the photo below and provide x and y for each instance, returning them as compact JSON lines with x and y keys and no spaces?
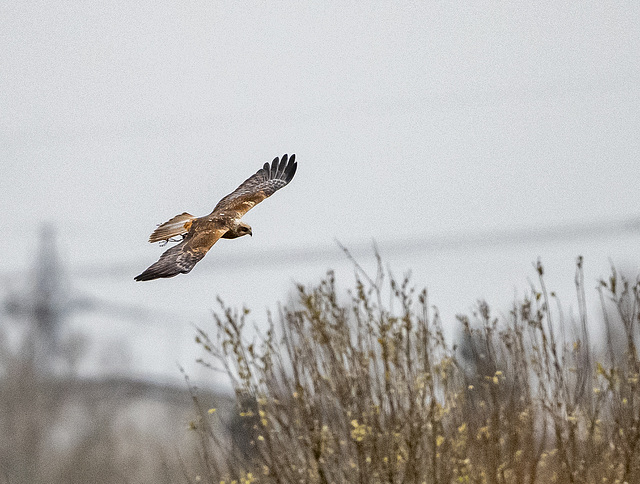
{"x":356,"y":385}
{"x":58,"y":424}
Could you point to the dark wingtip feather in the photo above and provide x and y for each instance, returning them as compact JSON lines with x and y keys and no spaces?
{"x":291,"y":169}
{"x":145,"y":276}
{"x":281,"y":166}
{"x":155,"y":272}
{"x":150,"y":275}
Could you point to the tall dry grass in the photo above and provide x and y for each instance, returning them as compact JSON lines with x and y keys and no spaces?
{"x":365,"y":388}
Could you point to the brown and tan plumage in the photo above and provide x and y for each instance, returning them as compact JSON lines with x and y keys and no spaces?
{"x":200,"y":233}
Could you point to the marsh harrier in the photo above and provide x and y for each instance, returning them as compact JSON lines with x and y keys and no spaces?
{"x":200,"y":233}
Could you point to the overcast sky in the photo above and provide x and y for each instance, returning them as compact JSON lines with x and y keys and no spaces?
{"x":409,"y":121}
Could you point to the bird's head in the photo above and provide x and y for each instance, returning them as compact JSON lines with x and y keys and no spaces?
{"x":243,"y":229}
{"x":238,"y":231}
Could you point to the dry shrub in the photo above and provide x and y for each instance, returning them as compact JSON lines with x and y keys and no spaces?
{"x":367,"y":389}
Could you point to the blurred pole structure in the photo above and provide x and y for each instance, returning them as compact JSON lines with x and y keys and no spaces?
{"x":48,"y":299}
{"x":49,"y":296}
{"x":44,"y":304}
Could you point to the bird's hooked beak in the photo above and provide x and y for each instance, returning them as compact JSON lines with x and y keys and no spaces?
{"x":250,"y":232}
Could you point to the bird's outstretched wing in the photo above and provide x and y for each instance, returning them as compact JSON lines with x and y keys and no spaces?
{"x":264,"y":183}
{"x":181,"y":258}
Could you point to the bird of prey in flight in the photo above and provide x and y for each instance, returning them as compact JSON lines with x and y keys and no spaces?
{"x":200,"y":233}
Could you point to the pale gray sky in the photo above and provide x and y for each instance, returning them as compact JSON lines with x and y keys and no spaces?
{"x":408,"y":120}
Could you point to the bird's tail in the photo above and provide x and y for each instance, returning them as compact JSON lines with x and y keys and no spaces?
{"x":178,"y":225}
